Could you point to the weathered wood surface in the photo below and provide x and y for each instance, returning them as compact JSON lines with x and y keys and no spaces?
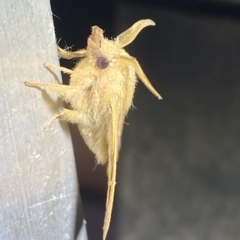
{"x":39,"y":196}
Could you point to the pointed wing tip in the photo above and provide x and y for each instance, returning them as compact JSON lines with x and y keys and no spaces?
{"x":149,"y":22}
{"x":157,"y":94}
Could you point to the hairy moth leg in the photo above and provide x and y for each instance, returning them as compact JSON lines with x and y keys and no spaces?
{"x":67,"y":115}
{"x":65,"y":92}
{"x":70,"y":55}
{"x":63,"y":69}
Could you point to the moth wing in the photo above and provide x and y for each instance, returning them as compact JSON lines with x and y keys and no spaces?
{"x":141,"y":75}
{"x":113,"y":152}
{"x":131,"y":33}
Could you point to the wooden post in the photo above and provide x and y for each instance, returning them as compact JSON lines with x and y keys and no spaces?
{"x":39,"y":196}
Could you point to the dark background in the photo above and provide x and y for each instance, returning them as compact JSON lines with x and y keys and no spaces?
{"x":178,"y":174}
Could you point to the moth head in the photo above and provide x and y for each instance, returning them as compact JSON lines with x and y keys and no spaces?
{"x":96,"y":37}
{"x":101,"y":50}
{"x":95,"y":41}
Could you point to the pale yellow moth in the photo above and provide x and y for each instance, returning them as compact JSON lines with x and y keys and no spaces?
{"x":100,"y":94}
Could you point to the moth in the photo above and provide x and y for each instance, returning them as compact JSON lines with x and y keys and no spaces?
{"x":100,"y":94}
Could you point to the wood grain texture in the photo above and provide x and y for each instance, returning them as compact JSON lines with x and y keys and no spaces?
{"x":38,"y":183}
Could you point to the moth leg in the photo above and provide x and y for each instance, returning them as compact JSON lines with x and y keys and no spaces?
{"x":35,"y":84}
{"x":64,"y":92}
{"x":66,"y":115}
{"x":63,"y":69}
{"x":51,"y":120}
{"x":69,"y":55}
